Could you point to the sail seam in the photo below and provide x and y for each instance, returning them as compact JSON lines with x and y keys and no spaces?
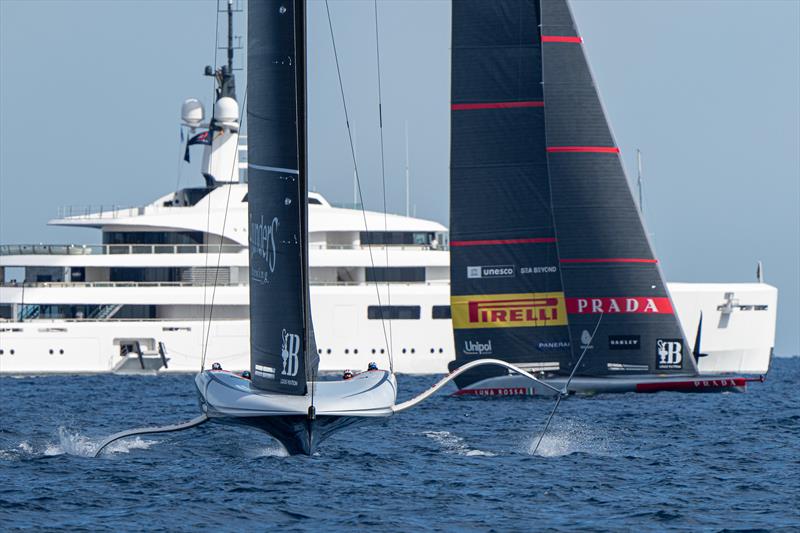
{"x":561,"y":39}
{"x":490,"y":242}
{"x":273,"y":169}
{"x":610,"y":260}
{"x":583,"y":149}
{"x":497,"y":105}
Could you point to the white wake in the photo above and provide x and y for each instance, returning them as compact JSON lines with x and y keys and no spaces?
{"x":455,"y":444}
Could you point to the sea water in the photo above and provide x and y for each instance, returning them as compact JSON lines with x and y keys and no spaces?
{"x":622,"y":462}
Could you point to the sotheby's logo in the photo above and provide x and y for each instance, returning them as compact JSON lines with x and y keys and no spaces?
{"x":670,"y":353}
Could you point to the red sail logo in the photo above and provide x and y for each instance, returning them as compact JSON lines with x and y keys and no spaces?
{"x":619,"y":305}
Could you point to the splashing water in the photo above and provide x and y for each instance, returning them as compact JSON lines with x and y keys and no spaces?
{"x":567,"y":438}
{"x":73,"y":443}
{"x":455,"y":444}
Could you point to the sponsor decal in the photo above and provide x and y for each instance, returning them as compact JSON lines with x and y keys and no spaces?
{"x":500,"y":391}
{"x":624,"y":342}
{"x":509,"y":310}
{"x":492,"y":271}
{"x":265,"y":371}
{"x":550,"y":269}
{"x":478,"y":348}
{"x":262,"y":244}
{"x":586,"y":340}
{"x":669,"y":353}
{"x":553,"y":346}
{"x":692,"y":385}
{"x":623,"y":367}
{"x":290,"y":346}
{"x":619,"y":305}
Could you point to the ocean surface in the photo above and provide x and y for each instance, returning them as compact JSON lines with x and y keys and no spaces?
{"x":666,"y":461}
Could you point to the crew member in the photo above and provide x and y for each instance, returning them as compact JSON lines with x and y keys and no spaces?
{"x":216,"y":366}
{"x":372,"y":366}
{"x":348,"y":374}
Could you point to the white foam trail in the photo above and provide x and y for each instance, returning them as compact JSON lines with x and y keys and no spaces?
{"x":73,"y":443}
{"x":567,"y":438}
{"x":273,"y":450}
{"x":455,"y":444}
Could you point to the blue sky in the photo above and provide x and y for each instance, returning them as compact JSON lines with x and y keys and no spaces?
{"x":90,"y":95}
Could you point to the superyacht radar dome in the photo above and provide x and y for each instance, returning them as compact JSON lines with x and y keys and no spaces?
{"x":226,"y":110}
{"x":192,"y":112}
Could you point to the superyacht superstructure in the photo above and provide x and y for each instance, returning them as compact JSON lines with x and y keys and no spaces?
{"x":93,"y":308}
{"x":170,"y":282}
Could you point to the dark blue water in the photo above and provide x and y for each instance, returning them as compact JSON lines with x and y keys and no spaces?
{"x":664,"y":461}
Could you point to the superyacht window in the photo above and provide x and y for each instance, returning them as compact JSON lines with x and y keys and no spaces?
{"x":441,"y":312}
{"x":393,"y":312}
{"x":396,"y":274}
{"x":395,"y":238}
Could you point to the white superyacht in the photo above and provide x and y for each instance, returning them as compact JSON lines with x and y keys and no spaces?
{"x":169,"y":283}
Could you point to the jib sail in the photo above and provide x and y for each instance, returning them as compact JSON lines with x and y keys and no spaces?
{"x":283,"y":352}
{"x":607,"y":265}
{"x":506,"y":296}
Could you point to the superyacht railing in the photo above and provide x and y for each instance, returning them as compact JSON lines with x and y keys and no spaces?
{"x":121,"y":249}
{"x":80,"y":284}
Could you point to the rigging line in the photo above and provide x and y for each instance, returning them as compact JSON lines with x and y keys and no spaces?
{"x":222,"y":234}
{"x":383,"y":184}
{"x":565,"y":390}
{"x":203,"y":341}
{"x":358,"y":178}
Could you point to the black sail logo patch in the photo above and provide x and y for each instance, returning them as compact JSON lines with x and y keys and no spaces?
{"x":624,"y":342}
{"x":669,"y":354}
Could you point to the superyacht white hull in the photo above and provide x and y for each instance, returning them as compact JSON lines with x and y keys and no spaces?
{"x":739,"y":341}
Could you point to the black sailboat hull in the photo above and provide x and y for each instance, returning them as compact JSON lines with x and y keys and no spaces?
{"x":298,"y":434}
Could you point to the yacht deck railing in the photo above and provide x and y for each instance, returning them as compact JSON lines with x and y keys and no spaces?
{"x":118,"y":249}
{"x":114,"y":284}
{"x":123,"y":249}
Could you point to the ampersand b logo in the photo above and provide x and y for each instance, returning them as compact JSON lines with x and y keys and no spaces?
{"x":670,"y":353}
{"x":289,"y":350}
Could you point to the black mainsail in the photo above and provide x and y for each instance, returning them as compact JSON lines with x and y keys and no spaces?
{"x":283,"y":351}
{"x":545,"y":234}
{"x":607,"y":264}
{"x":505,"y":285}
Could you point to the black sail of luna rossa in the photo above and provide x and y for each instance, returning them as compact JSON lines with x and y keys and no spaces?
{"x":607,"y":264}
{"x":283,"y":352}
{"x":545,"y":235}
{"x":506,"y":297}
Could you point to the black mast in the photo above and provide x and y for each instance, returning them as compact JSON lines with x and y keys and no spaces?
{"x":283,"y":352}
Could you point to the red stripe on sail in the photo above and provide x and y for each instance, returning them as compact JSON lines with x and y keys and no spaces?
{"x":560,"y":39}
{"x":584,"y":149}
{"x":537,"y":240}
{"x":497,"y":105}
{"x":622,"y":305}
{"x":610,"y":260}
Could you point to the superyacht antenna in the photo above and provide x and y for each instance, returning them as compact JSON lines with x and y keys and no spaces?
{"x":408,"y":176}
{"x":639,"y":178}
